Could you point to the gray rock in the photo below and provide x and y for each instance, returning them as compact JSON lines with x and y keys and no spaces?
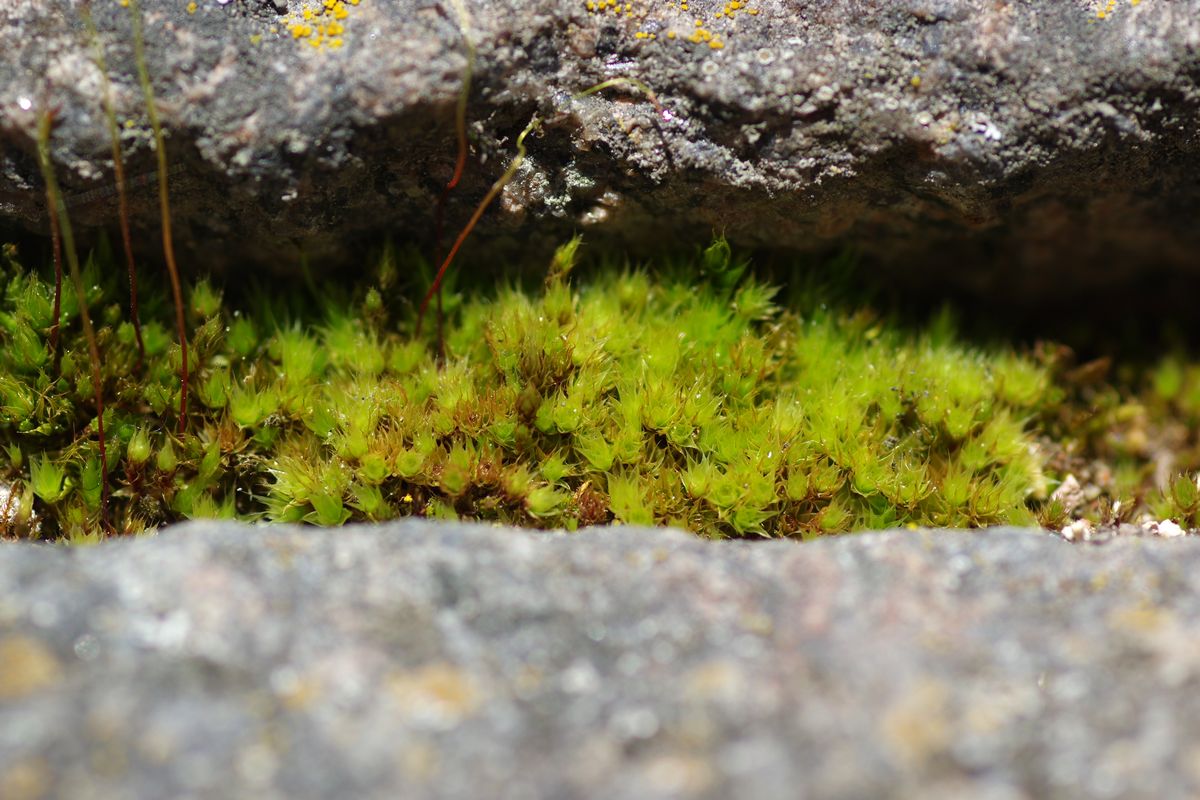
{"x":434,"y":660}
{"x":1033,"y":137}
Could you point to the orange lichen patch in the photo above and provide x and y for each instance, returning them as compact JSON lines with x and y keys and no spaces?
{"x":606,"y":6}
{"x":320,"y":23}
{"x":734,"y":7}
{"x":1107,"y":8}
{"x":704,"y":33}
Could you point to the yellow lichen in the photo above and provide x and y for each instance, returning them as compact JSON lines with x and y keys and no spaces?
{"x":1104,"y":9}
{"x":704,"y":33}
{"x":319,"y":23}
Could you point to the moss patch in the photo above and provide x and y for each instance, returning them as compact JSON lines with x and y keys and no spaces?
{"x":694,"y":402}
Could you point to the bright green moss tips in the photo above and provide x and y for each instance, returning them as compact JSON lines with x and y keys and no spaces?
{"x":704,"y":402}
{"x":1178,"y":501}
{"x":47,"y":479}
{"x":138,"y":449}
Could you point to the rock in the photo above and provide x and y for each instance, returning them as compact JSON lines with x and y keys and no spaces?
{"x":432,"y":660}
{"x":1034,"y":146}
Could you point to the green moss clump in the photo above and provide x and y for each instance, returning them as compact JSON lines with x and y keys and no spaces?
{"x":693,"y":402}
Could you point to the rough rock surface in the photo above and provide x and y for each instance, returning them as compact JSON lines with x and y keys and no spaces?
{"x":1054,"y":140}
{"x":424,"y":660}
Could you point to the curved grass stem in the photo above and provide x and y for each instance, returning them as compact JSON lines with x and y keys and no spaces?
{"x":45,"y":126}
{"x":661,"y":112}
{"x":164,"y":202}
{"x":632,"y":82}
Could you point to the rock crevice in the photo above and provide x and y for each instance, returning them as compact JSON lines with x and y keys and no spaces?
{"x":1036,"y":142}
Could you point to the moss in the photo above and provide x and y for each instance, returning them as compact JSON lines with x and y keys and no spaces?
{"x":321,"y":24}
{"x":696,"y":402}
{"x":691,"y":401}
{"x":1128,"y":436}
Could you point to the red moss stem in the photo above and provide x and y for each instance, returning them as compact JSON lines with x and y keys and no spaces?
{"x":45,"y":127}
{"x":119,"y":175}
{"x":164,"y":206}
{"x":56,"y":245}
{"x":497,"y":187}
{"x":460,"y":163}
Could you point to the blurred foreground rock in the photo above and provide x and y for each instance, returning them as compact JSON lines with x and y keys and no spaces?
{"x":1023,"y":147}
{"x":440,"y":660}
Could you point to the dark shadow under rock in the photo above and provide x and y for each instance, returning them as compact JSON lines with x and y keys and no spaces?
{"x":1018,"y":148}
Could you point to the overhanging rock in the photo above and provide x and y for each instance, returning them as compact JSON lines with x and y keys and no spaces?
{"x":1033,"y":144}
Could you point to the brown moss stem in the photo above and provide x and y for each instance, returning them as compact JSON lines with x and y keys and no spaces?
{"x":497,"y":187}
{"x":460,"y":162}
{"x":119,"y":176}
{"x":164,"y":202}
{"x":45,"y":126}
{"x":56,"y":246}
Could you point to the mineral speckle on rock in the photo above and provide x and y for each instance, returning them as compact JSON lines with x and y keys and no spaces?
{"x":432,"y":660}
{"x":1046,"y":144}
